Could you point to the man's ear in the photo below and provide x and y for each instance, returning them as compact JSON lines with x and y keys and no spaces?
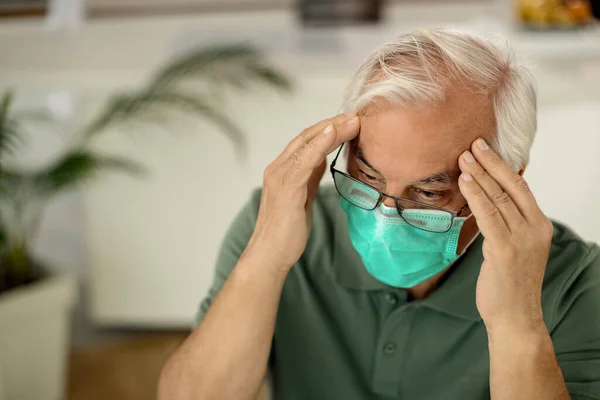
{"x":522,"y":170}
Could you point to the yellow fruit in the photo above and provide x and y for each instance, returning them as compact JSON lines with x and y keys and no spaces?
{"x":579,"y":10}
{"x":563,"y":18}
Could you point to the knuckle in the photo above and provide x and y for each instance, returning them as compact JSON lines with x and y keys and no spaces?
{"x":304,"y":133}
{"x":501,"y":198}
{"x":521,"y":184}
{"x":547,"y":228}
{"x":477,"y":191}
{"x":298,"y":159}
{"x":478,"y":172}
{"x":495,"y":160}
{"x":480,"y":175}
{"x":313,"y":145}
{"x":299,"y":141}
{"x":487,"y":248}
{"x":491,"y":212}
{"x":269,"y":170}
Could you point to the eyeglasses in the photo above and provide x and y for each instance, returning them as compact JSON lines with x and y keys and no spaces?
{"x":419,"y":215}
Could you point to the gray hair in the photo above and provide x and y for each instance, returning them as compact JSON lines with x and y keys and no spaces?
{"x":418,"y":68}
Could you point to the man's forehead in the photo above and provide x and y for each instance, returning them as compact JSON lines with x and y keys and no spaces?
{"x":417,"y":144}
{"x":418,"y":172}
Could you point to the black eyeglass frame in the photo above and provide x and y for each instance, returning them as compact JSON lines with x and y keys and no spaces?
{"x":399,"y":207}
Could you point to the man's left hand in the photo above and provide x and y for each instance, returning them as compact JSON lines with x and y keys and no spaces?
{"x":516,"y":245}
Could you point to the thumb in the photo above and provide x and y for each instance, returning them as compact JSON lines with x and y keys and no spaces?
{"x":313,"y":182}
{"x":313,"y":188}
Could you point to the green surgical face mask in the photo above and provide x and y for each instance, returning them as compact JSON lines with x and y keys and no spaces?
{"x":396,"y":253}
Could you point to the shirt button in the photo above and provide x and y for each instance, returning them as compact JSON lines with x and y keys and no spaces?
{"x":391,"y":298}
{"x":389,"y":348}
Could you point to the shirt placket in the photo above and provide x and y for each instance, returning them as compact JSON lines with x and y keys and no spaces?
{"x":389,"y":354}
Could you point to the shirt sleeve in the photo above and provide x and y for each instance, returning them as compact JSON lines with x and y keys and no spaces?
{"x":576,"y":335}
{"x":235,"y":241}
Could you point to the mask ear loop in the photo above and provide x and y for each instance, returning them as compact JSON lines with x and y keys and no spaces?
{"x":462,"y":209}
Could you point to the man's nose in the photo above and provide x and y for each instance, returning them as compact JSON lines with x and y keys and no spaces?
{"x":389,"y":202}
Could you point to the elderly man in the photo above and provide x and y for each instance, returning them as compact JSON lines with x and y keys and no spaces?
{"x":427,"y":272}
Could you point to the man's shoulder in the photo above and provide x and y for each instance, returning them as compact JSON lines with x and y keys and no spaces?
{"x":327,"y":233}
{"x":570,"y":251}
{"x":327,"y":214}
{"x":328,"y":199}
{"x":573,"y":268}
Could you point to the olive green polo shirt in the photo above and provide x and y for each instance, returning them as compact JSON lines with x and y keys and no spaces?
{"x":341,"y":334}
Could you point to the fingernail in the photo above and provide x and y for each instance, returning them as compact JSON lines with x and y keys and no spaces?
{"x":482,"y":144}
{"x":466,"y":177}
{"x":468,"y":157}
{"x":352,"y":120}
{"x":349,"y":114}
{"x":328,"y":129}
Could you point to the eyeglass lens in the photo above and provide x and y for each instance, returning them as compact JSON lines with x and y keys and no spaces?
{"x":417,"y":215}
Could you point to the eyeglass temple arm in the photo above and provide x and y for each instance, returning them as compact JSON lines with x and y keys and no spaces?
{"x":336,"y":156}
{"x":462,"y":209}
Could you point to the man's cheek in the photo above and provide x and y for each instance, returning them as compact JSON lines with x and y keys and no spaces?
{"x":468,"y":231}
{"x":352,"y":168}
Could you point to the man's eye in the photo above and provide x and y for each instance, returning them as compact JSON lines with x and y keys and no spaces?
{"x":428,"y":195}
{"x":369,"y":177}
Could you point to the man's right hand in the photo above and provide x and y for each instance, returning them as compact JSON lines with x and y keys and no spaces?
{"x":217,"y":362}
{"x":290,"y":185}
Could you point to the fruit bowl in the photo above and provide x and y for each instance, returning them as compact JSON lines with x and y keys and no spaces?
{"x":554,"y":14}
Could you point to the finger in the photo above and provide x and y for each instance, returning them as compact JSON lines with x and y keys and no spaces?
{"x":510,"y":181}
{"x":508,"y":210}
{"x":311,"y":132}
{"x":486,"y":214}
{"x":309,"y":157}
{"x":345,"y":132}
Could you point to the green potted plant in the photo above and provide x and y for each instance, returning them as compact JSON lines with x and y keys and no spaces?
{"x":34,"y":305}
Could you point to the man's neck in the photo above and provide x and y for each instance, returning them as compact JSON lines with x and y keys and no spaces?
{"x":425,"y":288}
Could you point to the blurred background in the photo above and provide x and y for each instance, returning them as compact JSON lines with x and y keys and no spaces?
{"x":132,"y":131}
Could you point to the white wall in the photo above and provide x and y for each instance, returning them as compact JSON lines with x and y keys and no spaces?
{"x":151,"y":243}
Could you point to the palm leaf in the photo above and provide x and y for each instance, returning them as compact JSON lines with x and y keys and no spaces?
{"x":131,"y":107}
{"x":243,"y":76}
{"x":117,"y":109}
{"x":76,"y":168}
{"x":12,"y":183}
{"x":9,"y":134}
{"x":190,"y":104}
{"x":237,"y":65}
{"x":10,"y":137}
{"x":270,"y":76}
{"x":13,"y":123}
{"x":200,"y":61}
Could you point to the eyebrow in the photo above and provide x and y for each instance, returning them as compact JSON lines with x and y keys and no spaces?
{"x":446,"y":177}
{"x":361,"y":156}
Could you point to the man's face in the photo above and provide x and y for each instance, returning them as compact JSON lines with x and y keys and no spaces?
{"x":413,"y":153}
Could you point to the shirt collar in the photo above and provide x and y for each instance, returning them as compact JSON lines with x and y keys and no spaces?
{"x":455,"y":295}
